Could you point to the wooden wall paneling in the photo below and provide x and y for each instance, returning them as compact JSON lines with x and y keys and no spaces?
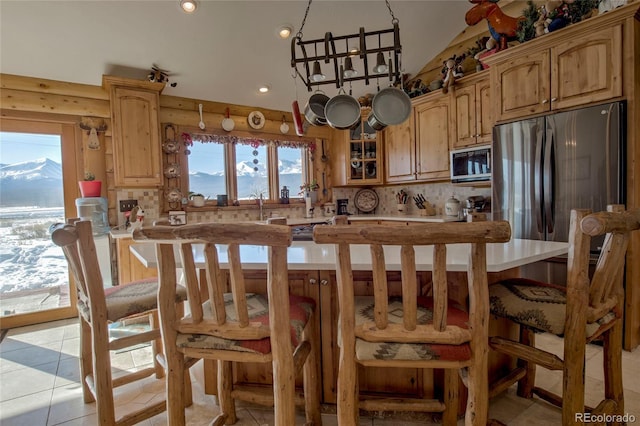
{"x":40,"y":85}
{"x":45,"y":102}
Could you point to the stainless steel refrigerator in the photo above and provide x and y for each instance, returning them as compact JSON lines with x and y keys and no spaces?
{"x":544,"y":167}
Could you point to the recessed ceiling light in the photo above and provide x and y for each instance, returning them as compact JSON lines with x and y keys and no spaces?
{"x":284,"y":31}
{"x":189,"y":6}
{"x":264,"y":88}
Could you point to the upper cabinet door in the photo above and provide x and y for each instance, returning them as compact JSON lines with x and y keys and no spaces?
{"x":433,"y":133}
{"x":521,"y":85}
{"x":137,"y":160}
{"x":136,"y":138}
{"x":587,"y":69}
{"x":400,"y":152}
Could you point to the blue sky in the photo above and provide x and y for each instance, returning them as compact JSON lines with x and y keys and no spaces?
{"x":19,"y":147}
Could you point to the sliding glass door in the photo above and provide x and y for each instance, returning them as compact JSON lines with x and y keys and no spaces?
{"x":35,"y":159}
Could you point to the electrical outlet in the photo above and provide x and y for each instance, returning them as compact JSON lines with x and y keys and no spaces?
{"x":127,"y":205}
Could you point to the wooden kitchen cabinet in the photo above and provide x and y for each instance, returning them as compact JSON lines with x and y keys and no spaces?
{"x":129,"y":267}
{"x":364,"y":154}
{"x":433,"y":131}
{"x":557,"y":73}
{"x":471,"y":108}
{"x":400,"y":152}
{"x":418,"y":149}
{"x":136,"y":131}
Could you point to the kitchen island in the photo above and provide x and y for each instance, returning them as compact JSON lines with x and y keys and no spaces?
{"x":312,"y":274}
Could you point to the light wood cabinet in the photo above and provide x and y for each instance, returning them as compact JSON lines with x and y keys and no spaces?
{"x":364,"y":154}
{"x":129,"y":267}
{"x":471,"y":108}
{"x":136,"y":131}
{"x":400,"y":155}
{"x":433,"y":131}
{"x":418,"y":149}
{"x":560,"y":74}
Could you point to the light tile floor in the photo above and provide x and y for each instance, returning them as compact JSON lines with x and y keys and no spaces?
{"x":39,"y":385}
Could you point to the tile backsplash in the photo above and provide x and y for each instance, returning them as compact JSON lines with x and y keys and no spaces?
{"x":435,"y":193}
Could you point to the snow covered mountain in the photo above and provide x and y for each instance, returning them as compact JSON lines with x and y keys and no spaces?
{"x":31,"y":183}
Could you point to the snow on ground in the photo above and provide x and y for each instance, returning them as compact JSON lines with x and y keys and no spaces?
{"x":29,"y":263}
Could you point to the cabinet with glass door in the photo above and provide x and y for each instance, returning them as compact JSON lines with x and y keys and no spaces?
{"x":364,"y":154}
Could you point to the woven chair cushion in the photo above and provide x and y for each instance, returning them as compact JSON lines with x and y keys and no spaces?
{"x":300,"y":310}
{"x":456,"y":315}
{"x":129,"y":299}
{"x":537,"y":305}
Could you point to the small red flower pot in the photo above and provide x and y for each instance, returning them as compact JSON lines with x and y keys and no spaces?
{"x":90,"y":188}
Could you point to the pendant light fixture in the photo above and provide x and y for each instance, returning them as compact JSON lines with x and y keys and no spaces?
{"x":316,"y":75}
{"x":356,"y":46}
{"x":381,"y":64}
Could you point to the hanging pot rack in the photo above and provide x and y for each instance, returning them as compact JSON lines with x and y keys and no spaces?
{"x":330,"y":53}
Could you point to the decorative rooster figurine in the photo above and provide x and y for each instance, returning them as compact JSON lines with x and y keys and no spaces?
{"x":501,"y":26}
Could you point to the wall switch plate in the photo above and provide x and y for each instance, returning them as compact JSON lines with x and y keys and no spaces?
{"x":127,"y":205}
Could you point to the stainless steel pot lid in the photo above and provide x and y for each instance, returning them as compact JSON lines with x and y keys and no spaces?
{"x":391,"y":106}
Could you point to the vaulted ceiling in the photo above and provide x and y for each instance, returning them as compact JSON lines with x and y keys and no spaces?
{"x":223,"y":52}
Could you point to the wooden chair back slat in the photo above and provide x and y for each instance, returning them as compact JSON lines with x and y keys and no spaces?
{"x":608,"y":268}
{"x":238,"y":289}
{"x":216,"y":284}
{"x":439,"y":279}
{"x":168,"y":282}
{"x":380,"y":287}
{"x":213,"y":235}
{"x":191,"y":281}
{"x":409,"y":287}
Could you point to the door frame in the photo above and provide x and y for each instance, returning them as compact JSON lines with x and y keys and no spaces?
{"x":71,"y":151}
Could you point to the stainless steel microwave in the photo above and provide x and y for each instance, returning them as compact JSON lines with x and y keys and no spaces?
{"x":471,"y":164}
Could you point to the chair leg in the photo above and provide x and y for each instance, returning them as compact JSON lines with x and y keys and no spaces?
{"x":348,"y":411}
{"x":311,"y":373}
{"x":175,"y":386}
{"x":225,"y":384}
{"x":102,"y":378}
{"x":612,"y":360}
{"x":156,"y":345}
{"x":526,"y":384}
{"x":477,"y":411}
{"x":573,"y":380}
{"x":451,"y":397}
{"x":86,"y":360}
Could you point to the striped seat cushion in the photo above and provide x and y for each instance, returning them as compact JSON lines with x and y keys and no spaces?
{"x":130,"y":299}
{"x":300,"y":310}
{"x":456,"y":315}
{"x":537,"y":305}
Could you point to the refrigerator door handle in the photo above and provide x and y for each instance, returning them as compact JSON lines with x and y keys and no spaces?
{"x":537,"y":200}
{"x":549,"y":172}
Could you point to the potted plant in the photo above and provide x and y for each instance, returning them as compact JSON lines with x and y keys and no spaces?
{"x":196,"y":199}
{"x":90,"y":187}
{"x":310,"y":189}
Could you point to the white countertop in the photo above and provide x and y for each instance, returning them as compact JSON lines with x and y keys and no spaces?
{"x":307,"y":255}
{"x":121,"y":233}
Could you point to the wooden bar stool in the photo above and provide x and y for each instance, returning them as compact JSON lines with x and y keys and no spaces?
{"x":233,"y":326}
{"x":588,"y":308}
{"x":97,"y":308}
{"x":414,"y":331}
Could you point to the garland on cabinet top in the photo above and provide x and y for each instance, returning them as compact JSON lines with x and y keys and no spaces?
{"x":554,"y":15}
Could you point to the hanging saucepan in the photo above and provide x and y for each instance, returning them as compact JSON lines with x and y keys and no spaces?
{"x":314,"y":111}
{"x":342,"y":112}
{"x":390,"y":106}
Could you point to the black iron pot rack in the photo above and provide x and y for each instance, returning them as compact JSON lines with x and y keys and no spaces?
{"x":331,"y":54}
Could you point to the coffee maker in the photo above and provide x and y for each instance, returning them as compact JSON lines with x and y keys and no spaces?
{"x":342,"y":206}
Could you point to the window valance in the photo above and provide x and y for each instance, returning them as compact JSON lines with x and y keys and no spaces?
{"x":264,"y":140}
